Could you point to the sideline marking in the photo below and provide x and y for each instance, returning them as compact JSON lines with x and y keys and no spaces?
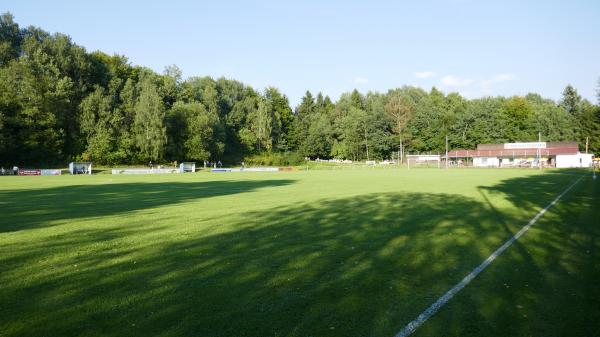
{"x":425,"y":315}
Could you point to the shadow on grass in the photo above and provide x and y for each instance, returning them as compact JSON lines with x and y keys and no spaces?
{"x":353,"y":267}
{"x":538,"y":190}
{"x":546,"y":283}
{"x":359,"y":266}
{"x":24,"y":209}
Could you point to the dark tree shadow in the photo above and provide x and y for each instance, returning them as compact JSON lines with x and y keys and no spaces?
{"x":348,"y":267}
{"x":24,"y":209}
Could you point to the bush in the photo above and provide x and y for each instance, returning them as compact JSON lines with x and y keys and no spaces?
{"x":274,"y":159}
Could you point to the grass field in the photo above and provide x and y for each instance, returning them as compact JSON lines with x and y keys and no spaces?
{"x":317,"y":253}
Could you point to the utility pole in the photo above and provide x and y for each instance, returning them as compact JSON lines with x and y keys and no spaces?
{"x":446,"y":151}
{"x":401,"y":153}
{"x":587,"y":142}
{"x":539,"y":151}
{"x":367,"y":143}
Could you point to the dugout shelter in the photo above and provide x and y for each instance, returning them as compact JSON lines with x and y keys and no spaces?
{"x":187,"y":167}
{"x":80,"y":167}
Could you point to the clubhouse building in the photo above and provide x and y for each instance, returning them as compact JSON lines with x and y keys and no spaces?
{"x":548,"y":154}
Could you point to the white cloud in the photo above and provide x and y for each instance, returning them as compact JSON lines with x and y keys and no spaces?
{"x":473,"y":88}
{"x":361,"y":80}
{"x":453,"y":81}
{"x":424,"y":74}
{"x":486,"y":90}
{"x":499,"y":78}
{"x":486,"y":85}
{"x":504,"y":77}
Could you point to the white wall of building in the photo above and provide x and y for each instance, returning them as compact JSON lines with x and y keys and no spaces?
{"x":574,"y":160}
{"x":486,"y":162}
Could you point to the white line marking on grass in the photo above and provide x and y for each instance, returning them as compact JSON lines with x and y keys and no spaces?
{"x":425,"y":315}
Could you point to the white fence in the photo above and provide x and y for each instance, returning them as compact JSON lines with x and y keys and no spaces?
{"x":144,"y":171}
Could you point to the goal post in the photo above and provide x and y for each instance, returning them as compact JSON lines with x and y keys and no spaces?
{"x":424,"y":160}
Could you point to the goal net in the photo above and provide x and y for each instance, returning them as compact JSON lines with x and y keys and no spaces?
{"x":424,"y":160}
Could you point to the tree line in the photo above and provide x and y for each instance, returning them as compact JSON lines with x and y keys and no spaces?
{"x":59,"y":102}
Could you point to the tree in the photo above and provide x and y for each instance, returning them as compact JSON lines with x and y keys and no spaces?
{"x":318,"y":141}
{"x":33,"y":95}
{"x":10,"y":39}
{"x":356,"y":99}
{"x":202,"y":134}
{"x":149,"y":128}
{"x":58,"y":102}
{"x":307,"y":105}
{"x":262,"y":125}
{"x":552,"y":121}
{"x":97,"y":124}
{"x":171,"y":82}
{"x":519,"y":115}
{"x":352,"y":135}
{"x":571,"y":100}
{"x":488,"y":122}
{"x":299,"y":128}
{"x":400,"y":110}
{"x":282,"y":118}
{"x":588,"y":123}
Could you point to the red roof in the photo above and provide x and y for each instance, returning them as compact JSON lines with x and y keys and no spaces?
{"x":509,"y":153}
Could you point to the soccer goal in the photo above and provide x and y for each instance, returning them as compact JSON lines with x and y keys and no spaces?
{"x":424,"y":160}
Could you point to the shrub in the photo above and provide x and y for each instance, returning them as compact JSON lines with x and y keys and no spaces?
{"x":274,"y":159}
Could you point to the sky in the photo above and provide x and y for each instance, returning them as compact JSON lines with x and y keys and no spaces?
{"x":476,"y":48}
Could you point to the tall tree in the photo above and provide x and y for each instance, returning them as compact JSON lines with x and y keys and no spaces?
{"x":299,"y":128}
{"x":149,"y":128}
{"x":307,"y":105}
{"x":519,"y":114}
{"x":400,"y":110}
{"x":588,"y":123}
{"x":97,"y":123}
{"x":10,"y":39}
{"x":318,"y":141}
{"x":262,"y":125}
{"x":281,"y":118}
{"x":356,"y":99}
{"x":203,"y":133}
{"x":171,"y":82}
{"x":571,"y":100}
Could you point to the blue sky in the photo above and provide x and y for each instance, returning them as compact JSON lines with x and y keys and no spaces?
{"x":477,"y":48}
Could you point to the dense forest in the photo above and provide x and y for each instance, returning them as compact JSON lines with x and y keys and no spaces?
{"x":59,"y":103}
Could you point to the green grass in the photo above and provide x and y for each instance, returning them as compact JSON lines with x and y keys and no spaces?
{"x":317,"y":253}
